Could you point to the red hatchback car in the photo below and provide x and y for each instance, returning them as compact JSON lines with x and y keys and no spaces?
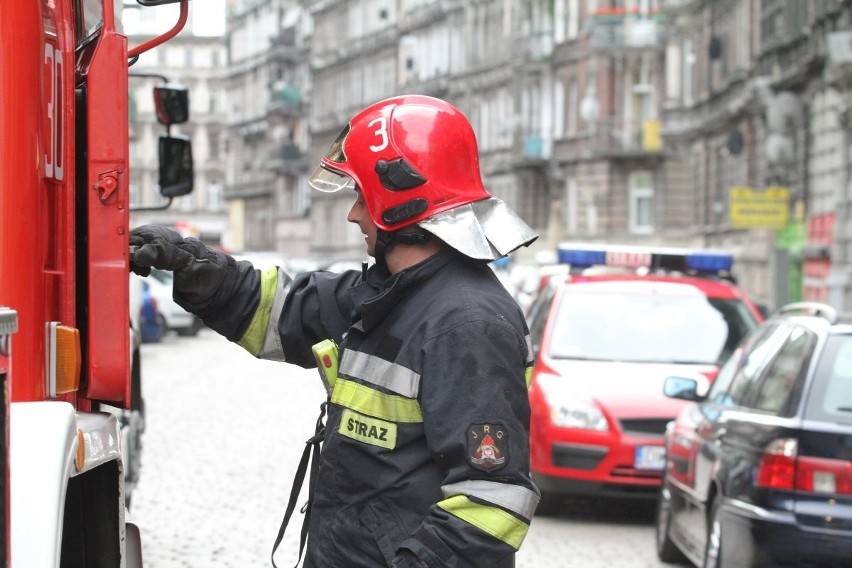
{"x":606,"y":335}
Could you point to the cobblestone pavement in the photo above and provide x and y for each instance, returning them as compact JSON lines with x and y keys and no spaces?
{"x":224,"y":434}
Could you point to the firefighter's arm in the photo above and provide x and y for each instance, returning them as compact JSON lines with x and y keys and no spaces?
{"x":224,"y":293}
{"x":476,"y":418}
{"x":275,"y":317}
{"x":267,"y":313}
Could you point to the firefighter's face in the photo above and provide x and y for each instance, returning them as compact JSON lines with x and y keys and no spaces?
{"x":358,"y":214}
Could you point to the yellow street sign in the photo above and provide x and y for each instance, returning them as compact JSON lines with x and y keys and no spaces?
{"x":767,"y":208}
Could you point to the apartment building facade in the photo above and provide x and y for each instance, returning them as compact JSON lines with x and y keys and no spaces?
{"x":268,"y":84}
{"x":619,"y":121}
{"x":196,"y":62}
{"x":522,"y":72}
{"x":755,"y":98}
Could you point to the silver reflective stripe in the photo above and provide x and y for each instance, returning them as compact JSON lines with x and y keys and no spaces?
{"x":272,"y":348}
{"x":530,"y":354}
{"x":513,"y":498}
{"x":380,"y":372}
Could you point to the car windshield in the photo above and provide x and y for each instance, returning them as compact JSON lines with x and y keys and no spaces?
{"x":831,"y":399}
{"x":661,"y":323}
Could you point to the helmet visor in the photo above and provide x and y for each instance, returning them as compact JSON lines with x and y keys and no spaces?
{"x":328,"y":181}
{"x":336,"y":153}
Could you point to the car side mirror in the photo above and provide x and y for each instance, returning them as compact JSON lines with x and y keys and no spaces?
{"x":682,"y":388}
{"x":171,"y":103}
{"x":176,"y":171}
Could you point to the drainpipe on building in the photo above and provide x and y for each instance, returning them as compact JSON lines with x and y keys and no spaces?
{"x":784,"y":114}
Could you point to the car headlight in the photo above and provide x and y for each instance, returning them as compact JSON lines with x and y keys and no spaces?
{"x":567,"y":410}
{"x":578,"y":415}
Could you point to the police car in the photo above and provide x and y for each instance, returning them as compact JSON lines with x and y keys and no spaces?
{"x":606,"y":335}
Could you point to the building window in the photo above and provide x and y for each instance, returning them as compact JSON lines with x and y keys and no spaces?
{"x":213,"y":145}
{"x":187,"y":202}
{"x":572,"y":19}
{"x":558,"y":109}
{"x":136,"y":197}
{"x":572,"y":207}
{"x":674,"y":72}
{"x":214,"y":196}
{"x":641,"y":202}
{"x":572,"y":105}
{"x":688,"y":70}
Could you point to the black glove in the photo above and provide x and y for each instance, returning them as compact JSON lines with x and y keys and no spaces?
{"x":198,"y":270}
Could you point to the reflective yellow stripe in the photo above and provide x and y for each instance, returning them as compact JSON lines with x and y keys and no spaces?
{"x":374,"y":403}
{"x":252,"y":339}
{"x":528,"y":375}
{"x":493,"y":520}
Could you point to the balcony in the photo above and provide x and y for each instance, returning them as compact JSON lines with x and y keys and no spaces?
{"x":532,"y":150}
{"x":615,"y":138}
{"x":617,"y":30}
{"x":285,"y":100}
{"x":284,"y":47}
{"x":537,"y":46}
{"x":287,"y":158}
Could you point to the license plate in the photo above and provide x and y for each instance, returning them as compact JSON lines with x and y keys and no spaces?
{"x":650,"y":457}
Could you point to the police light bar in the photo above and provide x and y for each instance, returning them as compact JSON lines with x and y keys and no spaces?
{"x":673,"y":259}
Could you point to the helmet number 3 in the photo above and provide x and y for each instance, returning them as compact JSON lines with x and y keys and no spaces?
{"x":381,"y":133}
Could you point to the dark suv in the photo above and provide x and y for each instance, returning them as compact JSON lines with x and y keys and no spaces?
{"x":758,"y":472}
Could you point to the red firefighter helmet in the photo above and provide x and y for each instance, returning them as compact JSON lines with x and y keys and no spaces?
{"x":415,"y":160}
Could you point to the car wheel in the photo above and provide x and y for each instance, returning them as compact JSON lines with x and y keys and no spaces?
{"x":162,"y":324}
{"x":713,"y":550}
{"x":192,"y":330}
{"x":667,"y":550}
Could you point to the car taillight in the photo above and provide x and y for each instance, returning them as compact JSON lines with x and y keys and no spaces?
{"x":777,"y":468}
{"x":782,"y":468}
{"x":824,"y":475}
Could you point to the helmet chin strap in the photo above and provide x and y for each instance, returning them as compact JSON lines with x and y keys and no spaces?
{"x":385,"y":240}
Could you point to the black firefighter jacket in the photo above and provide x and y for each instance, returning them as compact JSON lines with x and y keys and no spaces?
{"x":427,"y":436}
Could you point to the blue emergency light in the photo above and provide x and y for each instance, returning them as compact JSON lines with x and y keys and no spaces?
{"x":581,"y":257}
{"x":673,"y":259}
{"x":710,"y":261}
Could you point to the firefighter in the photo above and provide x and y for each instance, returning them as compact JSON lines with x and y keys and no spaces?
{"x":425,"y":452}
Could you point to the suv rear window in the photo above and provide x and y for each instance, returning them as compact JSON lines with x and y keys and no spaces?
{"x":666,"y":323}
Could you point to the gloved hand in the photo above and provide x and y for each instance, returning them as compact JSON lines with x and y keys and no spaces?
{"x":198,"y":270}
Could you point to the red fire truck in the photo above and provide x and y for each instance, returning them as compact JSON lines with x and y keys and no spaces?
{"x":68,"y":363}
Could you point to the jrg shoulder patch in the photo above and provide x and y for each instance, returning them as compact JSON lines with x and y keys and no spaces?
{"x":487,"y":445}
